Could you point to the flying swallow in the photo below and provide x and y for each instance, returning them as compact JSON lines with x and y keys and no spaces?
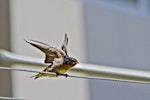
{"x":58,"y":59}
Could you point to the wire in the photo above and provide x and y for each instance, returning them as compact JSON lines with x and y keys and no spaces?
{"x":9,"y":98}
{"x":75,"y":76}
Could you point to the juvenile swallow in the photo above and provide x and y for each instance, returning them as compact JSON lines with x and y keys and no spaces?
{"x":58,"y":59}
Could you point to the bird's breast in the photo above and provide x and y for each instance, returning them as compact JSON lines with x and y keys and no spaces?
{"x":63,"y":68}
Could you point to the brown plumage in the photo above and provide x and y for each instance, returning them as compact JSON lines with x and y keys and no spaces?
{"x":59,"y":60}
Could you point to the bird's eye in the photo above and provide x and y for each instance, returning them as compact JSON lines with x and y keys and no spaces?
{"x":66,"y":62}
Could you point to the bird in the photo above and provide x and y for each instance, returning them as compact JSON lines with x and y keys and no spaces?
{"x":58,"y":59}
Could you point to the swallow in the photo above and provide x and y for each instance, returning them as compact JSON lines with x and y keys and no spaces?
{"x":58,"y":59}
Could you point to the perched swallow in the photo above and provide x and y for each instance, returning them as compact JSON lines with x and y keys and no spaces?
{"x":59,"y":60}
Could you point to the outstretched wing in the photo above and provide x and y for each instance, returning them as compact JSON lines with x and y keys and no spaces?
{"x":64,"y":46}
{"x":51,"y":53}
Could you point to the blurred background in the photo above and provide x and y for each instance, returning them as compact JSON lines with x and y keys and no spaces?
{"x":104,"y":32}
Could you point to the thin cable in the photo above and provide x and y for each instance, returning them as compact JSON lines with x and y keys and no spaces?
{"x":9,"y":98}
{"x":110,"y":79}
{"x":76,"y":76}
{"x":24,"y":70}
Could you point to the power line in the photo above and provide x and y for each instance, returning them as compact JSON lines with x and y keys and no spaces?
{"x":75,"y":76}
{"x":9,"y":98}
{"x":98,"y":71}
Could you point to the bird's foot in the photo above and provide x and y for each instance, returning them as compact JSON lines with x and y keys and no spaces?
{"x":57,"y":74}
{"x":66,"y":75}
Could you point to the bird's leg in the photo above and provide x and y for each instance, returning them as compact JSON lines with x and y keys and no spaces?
{"x":66,"y":75}
{"x":57,"y":74}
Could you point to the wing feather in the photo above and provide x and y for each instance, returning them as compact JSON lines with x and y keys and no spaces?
{"x":51,"y":53}
{"x":64,"y":46}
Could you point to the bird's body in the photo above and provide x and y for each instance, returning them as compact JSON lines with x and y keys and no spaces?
{"x":59,"y":60}
{"x":61,"y":69}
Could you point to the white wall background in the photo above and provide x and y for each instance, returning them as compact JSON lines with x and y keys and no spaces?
{"x":116,"y":34}
{"x":47,"y":21}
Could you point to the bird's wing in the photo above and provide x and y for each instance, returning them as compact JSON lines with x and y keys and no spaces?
{"x":50,"y":52}
{"x":64,"y":46}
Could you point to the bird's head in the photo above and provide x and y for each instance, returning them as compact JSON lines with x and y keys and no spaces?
{"x":70,"y":61}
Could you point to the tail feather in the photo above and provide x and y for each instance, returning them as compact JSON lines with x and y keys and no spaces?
{"x":35,"y":76}
{"x":43,"y":75}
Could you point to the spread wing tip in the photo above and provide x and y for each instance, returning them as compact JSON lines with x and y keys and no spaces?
{"x":29,"y":41}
